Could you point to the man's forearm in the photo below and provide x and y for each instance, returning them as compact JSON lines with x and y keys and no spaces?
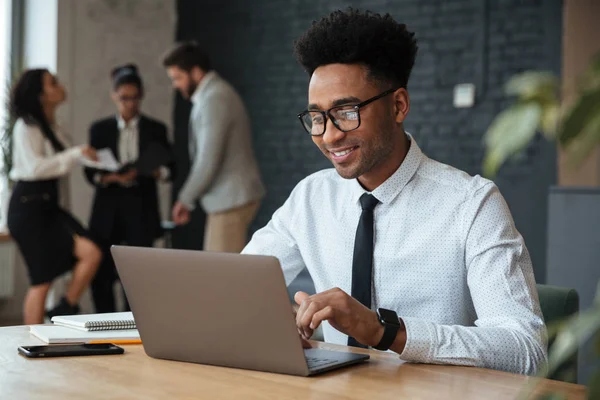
{"x":187,"y":195}
{"x":427,"y":342}
{"x":377,"y":334}
{"x":400,"y":341}
{"x":194,"y":187}
{"x":502,"y":348}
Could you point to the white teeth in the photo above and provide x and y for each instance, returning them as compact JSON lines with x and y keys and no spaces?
{"x":342,"y":153}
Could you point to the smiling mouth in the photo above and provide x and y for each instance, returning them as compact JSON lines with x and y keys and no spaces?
{"x":344,"y":152}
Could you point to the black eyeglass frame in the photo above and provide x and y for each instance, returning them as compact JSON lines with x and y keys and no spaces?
{"x":327,"y":113}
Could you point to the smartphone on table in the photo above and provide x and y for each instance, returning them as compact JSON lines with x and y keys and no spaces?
{"x":65,"y":350}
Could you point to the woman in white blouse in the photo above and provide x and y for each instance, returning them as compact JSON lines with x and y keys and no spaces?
{"x":51,"y":241}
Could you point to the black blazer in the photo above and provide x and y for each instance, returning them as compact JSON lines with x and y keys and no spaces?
{"x":105,"y":134}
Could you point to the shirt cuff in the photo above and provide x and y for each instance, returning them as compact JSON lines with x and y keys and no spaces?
{"x":188,"y":203}
{"x":98,"y":178}
{"x":75,"y":152}
{"x":420,"y":340}
{"x":165,"y":174}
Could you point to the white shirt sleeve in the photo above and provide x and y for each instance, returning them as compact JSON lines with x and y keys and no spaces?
{"x":276,"y":239}
{"x":34,"y":159}
{"x":509,"y":333}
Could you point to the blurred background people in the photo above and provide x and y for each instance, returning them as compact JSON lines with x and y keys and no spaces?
{"x":224,"y":174}
{"x":125,"y":207}
{"x":50,"y":239}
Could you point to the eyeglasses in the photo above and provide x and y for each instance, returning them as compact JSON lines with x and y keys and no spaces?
{"x":346,"y":118}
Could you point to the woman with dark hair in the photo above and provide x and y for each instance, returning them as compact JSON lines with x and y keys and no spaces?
{"x":126,"y":208}
{"x":51,"y":241}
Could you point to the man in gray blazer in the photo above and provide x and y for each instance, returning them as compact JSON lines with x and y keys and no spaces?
{"x":224,"y":174}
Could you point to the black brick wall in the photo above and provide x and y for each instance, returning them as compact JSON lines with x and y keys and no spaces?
{"x":460,"y":41}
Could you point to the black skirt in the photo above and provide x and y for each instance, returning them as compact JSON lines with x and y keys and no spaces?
{"x":43,"y":231}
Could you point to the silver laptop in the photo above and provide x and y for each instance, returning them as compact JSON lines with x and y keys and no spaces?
{"x":229,"y":310}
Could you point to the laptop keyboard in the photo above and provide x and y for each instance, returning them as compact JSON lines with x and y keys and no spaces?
{"x":316,"y":363}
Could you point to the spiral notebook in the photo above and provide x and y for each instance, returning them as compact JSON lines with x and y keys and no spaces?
{"x":55,"y":334}
{"x":97,"y":322}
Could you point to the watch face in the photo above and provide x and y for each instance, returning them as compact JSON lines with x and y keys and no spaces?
{"x":388,"y":317}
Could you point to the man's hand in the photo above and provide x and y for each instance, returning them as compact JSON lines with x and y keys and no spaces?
{"x":181,"y":214}
{"x":305,"y":343}
{"x":343,"y":312}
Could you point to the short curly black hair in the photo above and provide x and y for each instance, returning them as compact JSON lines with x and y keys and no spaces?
{"x":384,"y":46}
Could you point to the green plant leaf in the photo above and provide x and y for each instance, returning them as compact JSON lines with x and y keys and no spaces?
{"x":530,"y":85}
{"x":555,"y":327}
{"x":590,"y":80}
{"x":492,"y":162}
{"x":579,"y":116}
{"x":595,"y":64}
{"x":549,"y":122}
{"x":6,"y":138}
{"x":510,"y":132}
{"x":581,"y":328}
{"x":579,"y":148}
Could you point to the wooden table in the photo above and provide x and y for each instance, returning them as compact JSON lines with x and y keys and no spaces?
{"x":134,"y":375}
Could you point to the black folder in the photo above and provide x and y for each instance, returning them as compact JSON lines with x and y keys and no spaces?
{"x":154,"y":156}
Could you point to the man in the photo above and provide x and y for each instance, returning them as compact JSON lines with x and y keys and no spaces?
{"x":224,"y":174}
{"x":406,"y":253}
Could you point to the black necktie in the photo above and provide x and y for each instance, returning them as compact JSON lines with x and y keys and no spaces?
{"x":362,"y":261}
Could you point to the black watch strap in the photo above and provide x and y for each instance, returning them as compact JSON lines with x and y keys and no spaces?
{"x":391,"y":324}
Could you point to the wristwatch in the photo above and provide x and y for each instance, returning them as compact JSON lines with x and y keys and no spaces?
{"x":391,"y":323}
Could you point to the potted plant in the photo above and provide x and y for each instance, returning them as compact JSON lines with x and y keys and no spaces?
{"x":538,"y":109}
{"x":568,"y":337}
{"x":6,"y":147}
{"x":572,"y":228}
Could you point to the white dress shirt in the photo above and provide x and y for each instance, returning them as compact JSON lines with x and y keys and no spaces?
{"x":447,"y":258}
{"x":129,"y":143}
{"x":129,"y":146}
{"x":35,"y":159}
{"x":129,"y":139}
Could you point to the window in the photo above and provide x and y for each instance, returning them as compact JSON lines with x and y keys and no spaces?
{"x":5,"y":68}
{"x":5,"y":41}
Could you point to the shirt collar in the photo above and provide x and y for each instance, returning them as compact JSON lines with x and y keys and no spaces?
{"x":133,"y":123}
{"x":388,"y":190}
{"x":209,"y":76}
